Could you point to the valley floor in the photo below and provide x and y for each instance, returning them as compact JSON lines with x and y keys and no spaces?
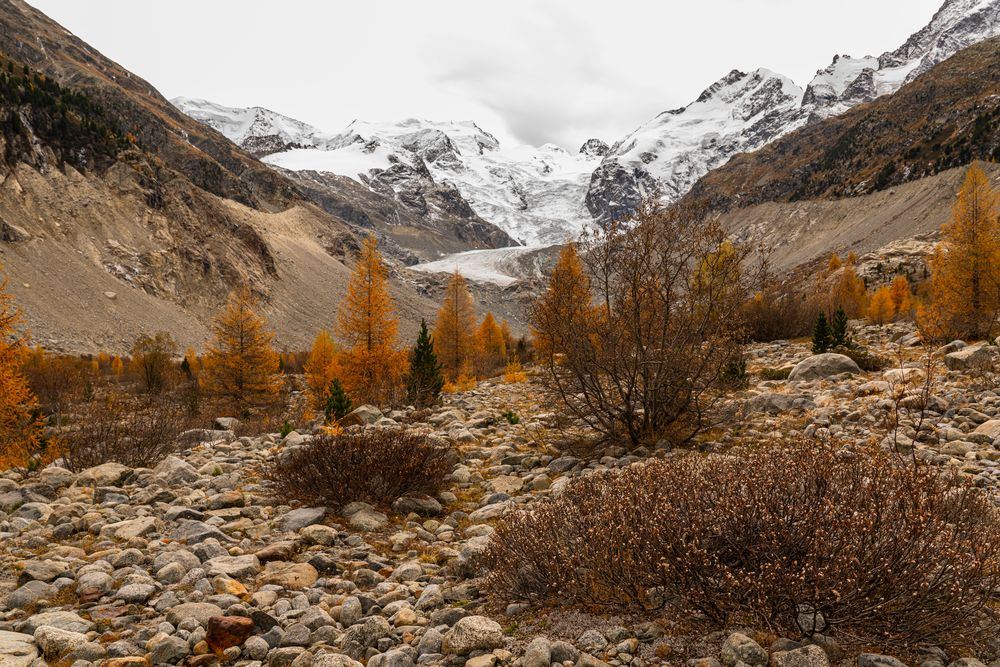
{"x":126,"y":565}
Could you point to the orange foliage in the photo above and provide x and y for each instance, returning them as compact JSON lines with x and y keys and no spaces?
{"x":321,"y":368}
{"x":455,"y":329}
{"x":491,"y":348}
{"x":240,"y":362}
{"x":880,"y":307}
{"x":19,"y":432}
{"x":902,"y":301}
{"x":568,"y":299}
{"x":848,"y":292}
{"x":373,"y":369}
{"x":964,"y":289}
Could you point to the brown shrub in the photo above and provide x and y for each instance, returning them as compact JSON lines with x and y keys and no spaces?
{"x":372,"y":465}
{"x":780,"y":313}
{"x":637,"y":336}
{"x":885,"y":552}
{"x":136,"y":431}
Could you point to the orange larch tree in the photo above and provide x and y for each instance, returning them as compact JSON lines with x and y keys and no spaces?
{"x":321,"y":368}
{"x":848,"y":291}
{"x":19,"y":431}
{"x":964,"y":292}
{"x":902,"y":300}
{"x":240,"y":362}
{"x":491,"y":348}
{"x":373,"y":368}
{"x":880,"y":306}
{"x":565,"y":306}
{"x":455,"y":329}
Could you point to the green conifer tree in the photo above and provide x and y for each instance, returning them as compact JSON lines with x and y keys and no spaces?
{"x":838,"y":330}
{"x":821,"y":341}
{"x":424,"y":383}
{"x":337,"y":402}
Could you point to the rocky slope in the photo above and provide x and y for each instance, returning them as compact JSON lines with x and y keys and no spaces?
{"x":119,"y":215}
{"x":745,"y":111}
{"x":945,"y":118}
{"x":121,"y":567}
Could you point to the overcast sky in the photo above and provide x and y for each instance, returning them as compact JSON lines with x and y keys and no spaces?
{"x":538,"y":71}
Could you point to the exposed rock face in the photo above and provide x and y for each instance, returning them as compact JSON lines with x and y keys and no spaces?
{"x":594,"y":148}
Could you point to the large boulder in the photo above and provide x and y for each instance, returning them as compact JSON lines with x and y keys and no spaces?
{"x":821,"y":366}
{"x":361,"y":416}
{"x":976,"y":357}
{"x":106,"y":474}
{"x":473,"y":633}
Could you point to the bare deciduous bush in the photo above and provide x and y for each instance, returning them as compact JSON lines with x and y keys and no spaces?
{"x":637,"y":342}
{"x":136,"y":431}
{"x":781,"y":313}
{"x":373,"y":465}
{"x":884,"y":552}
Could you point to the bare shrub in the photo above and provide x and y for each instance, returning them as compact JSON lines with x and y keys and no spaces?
{"x":371,"y":465}
{"x":779,"y":312}
{"x":152,"y":360}
{"x":136,"y":431}
{"x":637,"y":344}
{"x":884,"y":552}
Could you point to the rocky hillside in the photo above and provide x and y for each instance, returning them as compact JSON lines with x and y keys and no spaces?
{"x":120,"y":215}
{"x":945,"y":118}
{"x":147,"y":566}
{"x":742,"y":112}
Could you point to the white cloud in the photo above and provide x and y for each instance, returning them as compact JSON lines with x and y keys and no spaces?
{"x":557,"y":71}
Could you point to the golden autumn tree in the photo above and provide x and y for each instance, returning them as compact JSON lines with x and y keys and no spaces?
{"x":880,"y":306}
{"x":491,"y":348}
{"x":964,"y":291}
{"x":455,"y":329}
{"x":834,"y":263}
{"x":564,"y":307}
{"x":902,"y":300}
{"x":847,"y":291}
{"x":321,"y":368}
{"x":19,"y":432}
{"x":117,"y":367}
{"x":373,"y":368}
{"x":240,"y":363}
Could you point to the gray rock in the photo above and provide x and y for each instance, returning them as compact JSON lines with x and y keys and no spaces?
{"x":806,"y":656}
{"x":57,"y":644}
{"x":473,"y":633}
{"x":302,"y":517}
{"x":173,"y":470}
{"x":876,"y":660}
{"x":361,"y":416}
{"x":393,"y":658}
{"x":367,"y":519}
{"x":199,"y":611}
{"x":978,"y":357}
{"x":106,"y":474}
{"x":538,"y":653}
{"x":418,"y":504}
{"x":740,"y":648}
{"x":16,"y":649}
{"x":235,"y":567}
{"x":62,"y":620}
{"x":168,"y":649}
{"x":824,"y":365}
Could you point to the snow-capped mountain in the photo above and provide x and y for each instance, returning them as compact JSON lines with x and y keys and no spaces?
{"x":536,"y":195}
{"x":744,"y":111}
{"x":258,"y":130}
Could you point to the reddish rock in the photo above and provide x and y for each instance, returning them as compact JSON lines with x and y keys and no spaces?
{"x":226,"y":631}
